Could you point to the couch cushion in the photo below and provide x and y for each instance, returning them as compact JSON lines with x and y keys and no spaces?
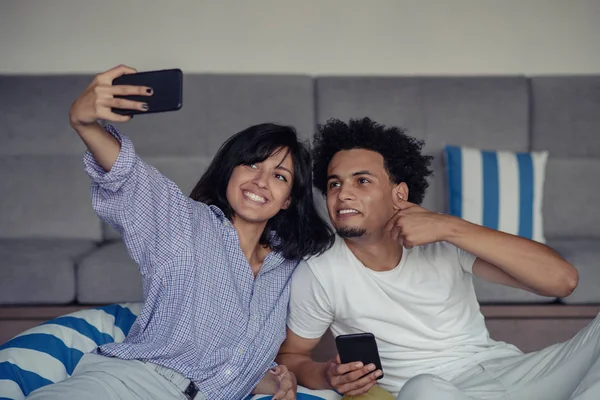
{"x":486,"y":112}
{"x":566,"y":115}
{"x":583,"y":254}
{"x":46,"y":196}
{"x":571,"y":198}
{"x":389,"y":101}
{"x":39,"y":271}
{"x":184,"y":171}
{"x":217,"y":106}
{"x":501,"y":190}
{"x":483,"y":112}
{"x":34,"y":114}
{"x":108,"y":275}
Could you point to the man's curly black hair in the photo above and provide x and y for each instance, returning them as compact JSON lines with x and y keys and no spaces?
{"x":401,"y":153}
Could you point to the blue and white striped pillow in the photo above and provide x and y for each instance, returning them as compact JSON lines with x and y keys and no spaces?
{"x":48,"y":353}
{"x":501,"y":190}
{"x":304,"y":394}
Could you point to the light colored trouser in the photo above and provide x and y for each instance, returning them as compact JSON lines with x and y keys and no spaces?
{"x":565,"y":371}
{"x":100,"y":377}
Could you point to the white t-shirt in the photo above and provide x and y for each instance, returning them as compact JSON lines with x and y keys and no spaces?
{"x":423,"y":313}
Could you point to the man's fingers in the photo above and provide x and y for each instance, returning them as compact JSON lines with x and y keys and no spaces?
{"x":396,"y":233}
{"x":362,"y":376}
{"x":343,"y":369}
{"x":359,"y":384}
{"x":362,"y":390}
{"x":340,"y":374}
{"x":404,"y":204}
{"x":391,"y":223}
{"x":352,"y":387}
{"x":354,"y":379}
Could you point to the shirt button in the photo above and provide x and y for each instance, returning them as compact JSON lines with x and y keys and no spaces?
{"x":227,"y":372}
{"x":241,"y":351}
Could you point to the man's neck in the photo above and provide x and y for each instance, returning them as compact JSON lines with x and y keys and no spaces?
{"x":376,"y":253}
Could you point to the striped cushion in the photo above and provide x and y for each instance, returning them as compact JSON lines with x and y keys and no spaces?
{"x":49,"y":353}
{"x":498,"y":189}
{"x":304,"y":394}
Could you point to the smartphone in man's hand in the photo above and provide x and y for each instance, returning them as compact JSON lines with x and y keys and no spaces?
{"x":359,"y":347}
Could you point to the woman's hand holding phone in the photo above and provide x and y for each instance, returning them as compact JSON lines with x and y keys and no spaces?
{"x":97,"y":101}
{"x":352,"y":378}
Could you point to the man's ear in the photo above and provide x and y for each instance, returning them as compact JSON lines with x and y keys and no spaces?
{"x":399,"y":192}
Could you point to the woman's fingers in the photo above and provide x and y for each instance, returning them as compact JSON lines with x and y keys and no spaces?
{"x":113,"y":117}
{"x":113,"y":73}
{"x":130,"y":90}
{"x":284,"y":393}
{"x":98,"y":99}
{"x":125,"y":104}
{"x":105,"y":96}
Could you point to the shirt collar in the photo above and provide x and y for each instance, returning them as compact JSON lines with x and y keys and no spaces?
{"x":273,"y":238}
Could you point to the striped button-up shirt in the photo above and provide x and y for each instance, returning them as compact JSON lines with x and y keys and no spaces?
{"x":205,"y":314}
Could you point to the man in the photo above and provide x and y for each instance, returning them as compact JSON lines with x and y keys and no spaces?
{"x":405,"y":274}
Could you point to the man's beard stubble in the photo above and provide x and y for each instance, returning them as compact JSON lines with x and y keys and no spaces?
{"x":349,"y":233}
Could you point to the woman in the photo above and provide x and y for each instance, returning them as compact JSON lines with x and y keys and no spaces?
{"x":216,"y":266}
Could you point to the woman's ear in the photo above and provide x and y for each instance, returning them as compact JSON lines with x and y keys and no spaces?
{"x":399,"y":192}
{"x":287,"y":203}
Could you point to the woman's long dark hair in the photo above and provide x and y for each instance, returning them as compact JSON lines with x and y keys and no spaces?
{"x":302,"y":232}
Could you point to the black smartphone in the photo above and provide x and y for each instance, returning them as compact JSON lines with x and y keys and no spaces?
{"x":359,"y":347}
{"x":167,"y":87}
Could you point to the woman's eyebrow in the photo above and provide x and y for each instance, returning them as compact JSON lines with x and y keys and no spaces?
{"x":284,"y":168}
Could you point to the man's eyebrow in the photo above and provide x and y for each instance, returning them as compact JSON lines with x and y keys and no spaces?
{"x":364,"y":172}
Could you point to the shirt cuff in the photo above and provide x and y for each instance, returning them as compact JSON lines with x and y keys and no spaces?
{"x":303,"y":333}
{"x":121,"y":169}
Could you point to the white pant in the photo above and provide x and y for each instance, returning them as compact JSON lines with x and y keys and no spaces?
{"x":100,"y":377}
{"x":565,"y":371}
